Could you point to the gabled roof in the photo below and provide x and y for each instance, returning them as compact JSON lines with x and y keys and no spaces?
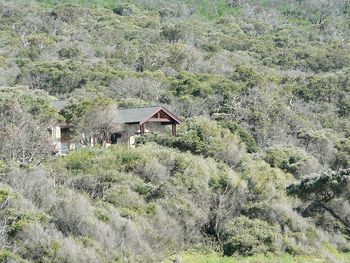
{"x":135,"y":115}
{"x":141,"y":115}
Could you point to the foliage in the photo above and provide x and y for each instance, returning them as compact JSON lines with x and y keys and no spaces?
{"x":325,"y":193}
{"x":259,"y":237}
{"x":199,"y":136}
{"x":262,"y":87}
{"x":36,"y":102}
{"x":245,"y":136}
{"x":24,"y":139}
{"x":190,"y":256}
{"x":286,"y":158}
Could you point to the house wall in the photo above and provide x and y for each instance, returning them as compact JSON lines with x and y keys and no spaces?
{"x":130,"y":130}
{"x":127,"y":135}
{"x":56,"y":138}
{"x":156,"y":127}
{"x":62,"y":141}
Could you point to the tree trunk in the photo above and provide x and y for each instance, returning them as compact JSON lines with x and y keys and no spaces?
{"x":339,"y":218}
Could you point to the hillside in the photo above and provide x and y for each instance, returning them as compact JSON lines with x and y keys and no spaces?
{"x":260,"y":165}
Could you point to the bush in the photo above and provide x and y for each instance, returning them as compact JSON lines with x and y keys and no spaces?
{"x":287,"y":158}
{"x":247,"y":75}
{"x":250,"y":236}
{"x":200,"y":136}
{"x":69,"y":52}
{"x":245,"y":136}
{"x":186,"y":84}
{"x":172,"y":32}
{"x":80,"y":160}
{"x":124,"y":9}
{"x":56,"y":77}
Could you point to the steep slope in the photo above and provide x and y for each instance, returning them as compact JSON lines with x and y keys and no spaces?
{"x":262,"y":88}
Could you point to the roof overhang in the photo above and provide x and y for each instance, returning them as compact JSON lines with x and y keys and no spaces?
{"x":161,"y":108}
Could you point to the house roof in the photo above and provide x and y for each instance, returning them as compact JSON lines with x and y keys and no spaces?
{"x":134,"y":115}
{"x":141,"y":115}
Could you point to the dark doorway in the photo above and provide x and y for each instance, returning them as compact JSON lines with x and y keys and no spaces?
{"x":115,"y":137}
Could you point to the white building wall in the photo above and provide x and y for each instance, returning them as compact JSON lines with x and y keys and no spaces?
{"x":56,"y":138}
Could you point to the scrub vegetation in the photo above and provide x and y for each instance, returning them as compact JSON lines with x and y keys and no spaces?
{"x":258,"y":172}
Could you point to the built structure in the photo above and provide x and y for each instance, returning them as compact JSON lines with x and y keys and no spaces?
{"x":133,"y":122}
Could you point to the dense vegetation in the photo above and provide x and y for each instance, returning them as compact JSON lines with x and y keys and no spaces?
{"x":260,"y":164}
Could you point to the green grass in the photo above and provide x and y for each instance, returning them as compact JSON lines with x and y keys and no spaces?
{"x":214,"y":258}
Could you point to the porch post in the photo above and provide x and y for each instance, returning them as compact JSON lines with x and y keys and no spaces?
{"x":173,"y":129}
{"x":142,"y":129}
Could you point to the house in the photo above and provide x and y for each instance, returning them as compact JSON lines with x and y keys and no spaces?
{"x":133,"y":122}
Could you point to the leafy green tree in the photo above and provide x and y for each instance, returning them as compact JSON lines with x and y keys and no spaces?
{"x":344,"y":107}
{"x":69,"y":52}
{"x":200,"y":136}
{"x":247,"y":75}
{"x":187,"y":84}
{"x":327,"y":192}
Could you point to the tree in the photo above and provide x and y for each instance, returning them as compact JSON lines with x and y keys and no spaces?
{"x":229,"y":197}
{"x":99,"y":122}
{"x":4,"y":203}
{"x":327,"y":192}
{"x":23,"y":139}
{"x":319,"y":11}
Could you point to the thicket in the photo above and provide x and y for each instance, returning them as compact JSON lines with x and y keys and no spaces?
{"x":262,"y":88}
{"x":146,"y":203}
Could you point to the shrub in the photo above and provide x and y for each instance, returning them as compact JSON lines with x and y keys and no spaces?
{"x":325,"y":193}
{"x":4,"y":195}
{"x":247,"y":75}
{"x":69,"y":52}
{"x":80,"y":160}
{"x":246,"y":137}
{"x":124,"y":9}
{"x":186,"y":84}
{"x":172,"y":32}
{"x":287,"y":158}
{"x":56,"y":77}
{"x":34,"y":184}
{"x":8,"y":256}
{"x":200,"y":136}
{"x":250,"y":236}
{"x":233,"y":152}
